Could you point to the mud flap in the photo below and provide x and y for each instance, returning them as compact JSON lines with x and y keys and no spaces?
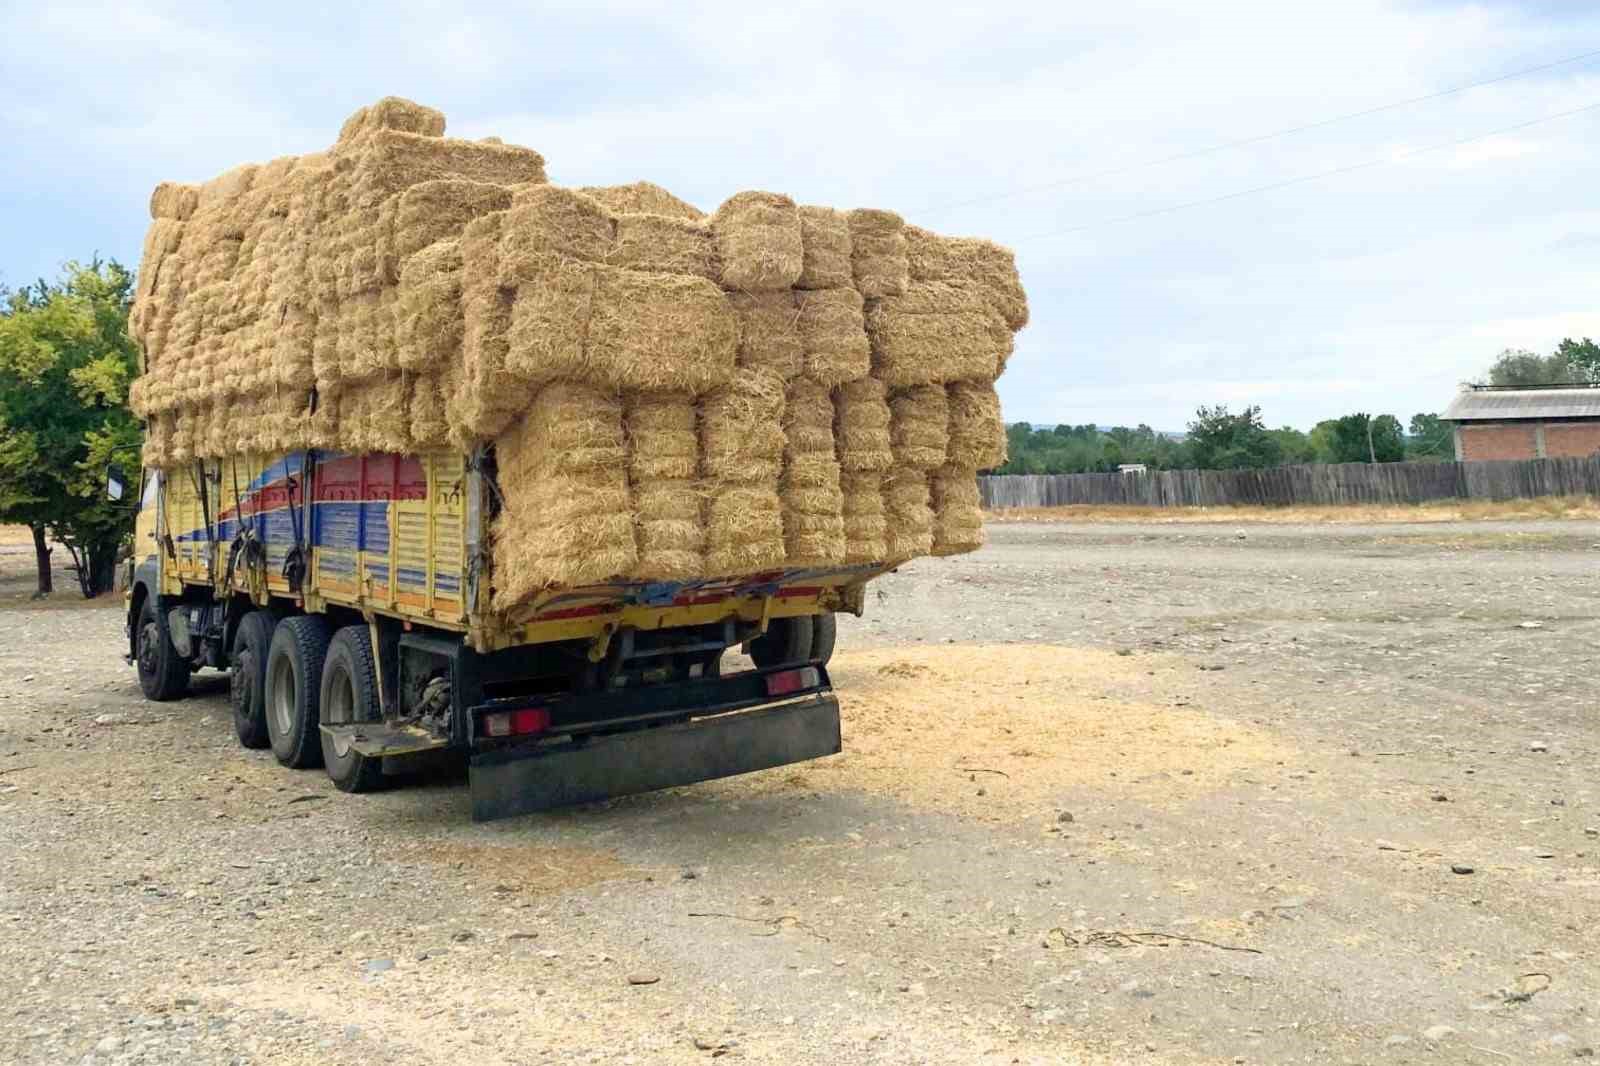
{"x":511,"y":783}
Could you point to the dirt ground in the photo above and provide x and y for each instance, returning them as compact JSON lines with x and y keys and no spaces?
{"x":1112,"y":793}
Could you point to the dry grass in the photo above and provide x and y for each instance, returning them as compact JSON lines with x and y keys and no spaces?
{"x":1552,"y":507}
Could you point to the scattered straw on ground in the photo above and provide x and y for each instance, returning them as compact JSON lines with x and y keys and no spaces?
{"x":1026,"y":723}
{"x":1577,"y":507}
{"x":523,"y":867}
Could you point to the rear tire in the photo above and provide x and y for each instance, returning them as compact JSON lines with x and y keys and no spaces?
{"x":163,"y":675}
{"x":824,"y":628}
{"x":350,"y":694}
{"x":248,"y":683}
{"x":787,"y":640}
{"x":294,"y":689}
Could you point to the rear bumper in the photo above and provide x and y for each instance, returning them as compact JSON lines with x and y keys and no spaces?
{"x":509,"y":783}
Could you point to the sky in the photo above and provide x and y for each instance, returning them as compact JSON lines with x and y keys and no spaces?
{"x":1380,"y":288}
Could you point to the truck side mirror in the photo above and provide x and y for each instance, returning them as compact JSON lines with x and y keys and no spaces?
{"x":116,"y":483}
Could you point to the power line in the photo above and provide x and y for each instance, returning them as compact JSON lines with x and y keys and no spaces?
{"x":1302,"y":179}
{"x":1198,"y":152}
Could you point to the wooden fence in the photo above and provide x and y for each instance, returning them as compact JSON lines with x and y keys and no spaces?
{"x":1310,"y":484}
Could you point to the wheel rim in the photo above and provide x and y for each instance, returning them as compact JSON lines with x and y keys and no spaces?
{"x":149,"y":637}
{"x":284,"y":695}
{"x":338,"y":709}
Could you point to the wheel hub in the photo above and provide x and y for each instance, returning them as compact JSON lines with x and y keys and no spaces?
{"x":149,"y":637}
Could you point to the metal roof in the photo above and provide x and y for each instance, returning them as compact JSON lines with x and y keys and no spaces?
{"x":1495,"y":405}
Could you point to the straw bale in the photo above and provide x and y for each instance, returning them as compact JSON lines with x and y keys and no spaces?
{"x":488,"y":394}
{"x":435,"y":210}
{"x":977,"y":430}
{"x":547,"y":220}
{"x":861,"y":425}
{"x":393,"y":113}
{"x":988,"y":266}
{"x":550,"y":320}
{"x":813,"y":502}
{"x":741,"y":428}
{"x":834,"y":334}
{"x":878,"y":253}
{"x":919,"y":427}
{"x":769,"y":332}
{"x":865,"y":527}
{"x":910,"y":514}
{"x":157,"y":441}
{"x":825,"y":247}
{"x":391,"y":161}
{"x":174,"y":200}
{"x":367,"y":335}
{"x":662,"y":441}
{"x":668,"y":531}
{"x":664,"y":244}
{"x":325,"y":345}
{"x":808,"y":419}
{"x":957,"y":511}
{"x":659,"y":331}
{"x":216,"y":195}
{"x":744,"y":529}
{"x":936,"y":332}
{"x":644,"y":198}
{"x":428,"y":426}
{"x":429,"y":318}
{"x":758,"y":236}
{"x":571,"y":429}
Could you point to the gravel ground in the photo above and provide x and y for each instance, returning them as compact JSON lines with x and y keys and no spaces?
{"x":1112,"y":793}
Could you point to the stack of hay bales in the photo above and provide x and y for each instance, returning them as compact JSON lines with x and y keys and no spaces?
{"x":669,"y":395}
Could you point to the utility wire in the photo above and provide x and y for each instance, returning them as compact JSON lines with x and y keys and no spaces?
{"x":1302,"y":179}
{"x":1198,"y":152}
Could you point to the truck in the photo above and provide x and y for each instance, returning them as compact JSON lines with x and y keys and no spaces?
{"x":348,"y":597}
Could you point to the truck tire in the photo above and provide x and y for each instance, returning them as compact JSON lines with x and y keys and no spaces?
{"x":824,"y":628}
{"x":247,"y":685}
{"x":294,"y":689}
{"x":787,"y":640}
{"x":350,"y":694}
{"x":163,"y":675}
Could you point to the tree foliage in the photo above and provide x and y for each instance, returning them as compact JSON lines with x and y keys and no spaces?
{"x":1220,"y":440}
{"x":1520,"y":367}
{"x":65,"y":364}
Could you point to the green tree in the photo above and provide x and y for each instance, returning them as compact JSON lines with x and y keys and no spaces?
{"x":1518,"y":366}
{"x":1295,"y":445}
{"x":1219,"y":440}
{"x":1582,"y":358}
{"x":65,"y":364}
{"x":1428,"y":438}
{"x":1361,"y":438}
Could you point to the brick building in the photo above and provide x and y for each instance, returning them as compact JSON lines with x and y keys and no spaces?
{"x":1511,"y":422}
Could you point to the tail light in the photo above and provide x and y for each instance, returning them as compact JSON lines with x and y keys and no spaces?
{"x":785,"y":682}
{"x":516,"y":723}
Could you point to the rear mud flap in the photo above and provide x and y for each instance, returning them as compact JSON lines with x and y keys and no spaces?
{"x":504,"y":785}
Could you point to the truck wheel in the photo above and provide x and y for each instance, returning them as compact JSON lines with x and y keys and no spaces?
{"x":787,"y":640}
{"x":350,"y":694}
{"x":294,"y":689}
{"x":824,"y":627}
{"x":248,"y":678}
{"x":162,"y":674}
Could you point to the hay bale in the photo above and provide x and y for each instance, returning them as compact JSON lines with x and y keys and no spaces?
{"x":878,"y":253}
{"x":430,"y":321}
{"x":813,"y":523}
{"x":642,"y":198}
{"x":919,"y":427}
{"x":910,"y":515}
{"x":977,"y":429}
{"x":744,"y":529}
{"x":659,"y":331}
{"x":936,"y":332}
{"x":214,"y":197}
{"x":429,"y":429}
{"x":393,"y":113}
{"x":547,"y":221}
{"x":769,"y":332}
{"x":433,"y":211}
{"x":825,"y":249}
{"x":665,"y":245}
{"x":985,"y":265}
{"x":663,"y":461}
{"x":865,"y":527}
{"x":488,"y":394}
{"x":567,"y":519}
{"x":551,"y":314}
{"x":157,"y":451}
{"x":834,"y":335}
{"x":389,"y":161}
{"x":758,"y":236}
{"x":957,"y":511}
{"x":861,"y":425}
{"x":741,"y":429}
{"x":174,"y":200}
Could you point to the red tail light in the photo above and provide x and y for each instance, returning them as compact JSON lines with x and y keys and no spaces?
{"x":785,"y":682}
{"x":516,"y":723}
